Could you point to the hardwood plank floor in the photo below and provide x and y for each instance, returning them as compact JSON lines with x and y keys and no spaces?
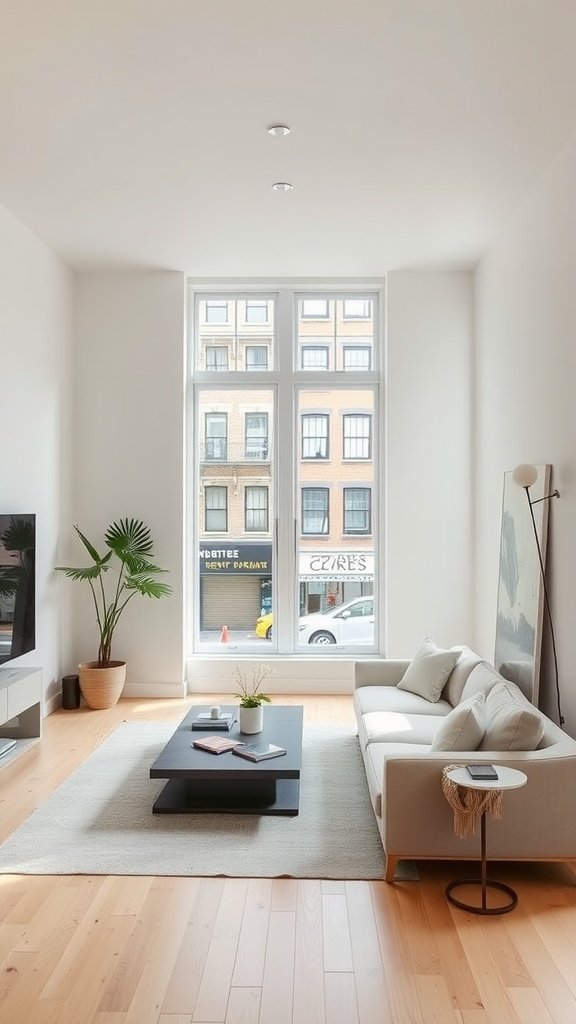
{"x":122,"y":950}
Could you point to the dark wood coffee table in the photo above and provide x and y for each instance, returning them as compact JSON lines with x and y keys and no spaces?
{"x":200,"y":782}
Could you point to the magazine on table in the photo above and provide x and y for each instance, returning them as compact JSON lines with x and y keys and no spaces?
{"x":258,"y":751}
{"x":215,"y":744}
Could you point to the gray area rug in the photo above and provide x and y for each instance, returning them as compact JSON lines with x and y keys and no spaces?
{"x":100,"y":821}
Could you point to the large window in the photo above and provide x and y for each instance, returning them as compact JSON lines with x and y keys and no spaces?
{"x":284,"y":496}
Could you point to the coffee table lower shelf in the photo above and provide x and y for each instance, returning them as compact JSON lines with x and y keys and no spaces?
{"x":187,"y":796}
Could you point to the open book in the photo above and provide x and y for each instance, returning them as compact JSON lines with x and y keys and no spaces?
{"x":215,"y":744}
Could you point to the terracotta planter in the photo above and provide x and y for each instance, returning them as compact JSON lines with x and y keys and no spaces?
{"x":251,"y":719}
{"x":101,"y":687}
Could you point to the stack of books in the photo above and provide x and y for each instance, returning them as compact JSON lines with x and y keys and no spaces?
{"x":205,"y":722}
{"x":258,"y":751}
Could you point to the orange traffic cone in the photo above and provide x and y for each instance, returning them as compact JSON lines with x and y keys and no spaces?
{"x":224,"y":638}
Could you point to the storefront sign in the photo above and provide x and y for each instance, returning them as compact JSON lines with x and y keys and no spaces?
{"x":240,"y":559}
{"x":336,"y":565}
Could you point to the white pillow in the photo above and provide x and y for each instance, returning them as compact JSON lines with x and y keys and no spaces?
{"x":464,"y":727}
{"x":511,"y":722}
{"x":429,"y":670}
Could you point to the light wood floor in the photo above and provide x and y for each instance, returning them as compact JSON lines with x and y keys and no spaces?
{"x":122,"y":950}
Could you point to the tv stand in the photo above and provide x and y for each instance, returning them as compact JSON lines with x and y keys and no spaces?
{"x":20,"y":710}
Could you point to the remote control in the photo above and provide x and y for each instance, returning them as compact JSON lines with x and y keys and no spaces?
{"x":482,"y":771}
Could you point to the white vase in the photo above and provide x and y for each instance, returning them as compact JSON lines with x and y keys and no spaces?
{"x":251,"y":719}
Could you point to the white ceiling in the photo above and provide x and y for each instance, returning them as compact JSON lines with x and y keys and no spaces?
{"x":133,"y":132}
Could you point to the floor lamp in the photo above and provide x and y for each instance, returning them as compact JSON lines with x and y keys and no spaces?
{"x":525,"y":476}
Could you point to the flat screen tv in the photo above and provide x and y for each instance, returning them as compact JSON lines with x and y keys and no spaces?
{"x":17,"y":585}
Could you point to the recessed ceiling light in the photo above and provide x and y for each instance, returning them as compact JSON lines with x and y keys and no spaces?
{"x":279,"y":129}
{"x":282,"y":186}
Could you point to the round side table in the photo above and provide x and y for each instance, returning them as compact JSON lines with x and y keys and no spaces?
{"x":508,"y":778}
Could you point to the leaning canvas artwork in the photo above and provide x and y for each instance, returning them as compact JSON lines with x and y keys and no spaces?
{"x":520,"y":591}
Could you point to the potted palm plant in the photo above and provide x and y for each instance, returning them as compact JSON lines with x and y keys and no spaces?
{"x":129,"y":561}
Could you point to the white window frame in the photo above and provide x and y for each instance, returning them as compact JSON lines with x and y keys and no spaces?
{"x":285,"y":378}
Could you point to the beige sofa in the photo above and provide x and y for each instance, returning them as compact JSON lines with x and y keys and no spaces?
{"x":396,"y":729}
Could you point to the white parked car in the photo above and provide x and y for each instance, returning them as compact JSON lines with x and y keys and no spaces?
{"x":351,"y":623}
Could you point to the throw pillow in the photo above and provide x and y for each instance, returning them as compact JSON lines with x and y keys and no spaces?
{"x":428,"y":670}
{"x":464,"y":727}
{"x":511,"y":722}
{"x":467,"y":661}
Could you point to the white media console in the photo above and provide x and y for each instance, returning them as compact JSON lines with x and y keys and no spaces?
{"x":20,"y":709}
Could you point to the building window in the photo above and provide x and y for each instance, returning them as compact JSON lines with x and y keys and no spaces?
{"x":216,"y":311}
{"x":256,"y":435}
{"x":315,"y":510}
{"x":357,"y":517}
{"x":256,"y":357}
{"x":315,"y":436}
{"x":216,"y":436}
{"x":216,"y":509}
{"x":256,"y":311}
{"x":357,"y":436}
{"x":216,"y":357}
{"x":256,"y":509}
{"x":314,"y":309}
{"x":356,"y":357}
{"x":314,"y":357}
{"x":357,"y":309}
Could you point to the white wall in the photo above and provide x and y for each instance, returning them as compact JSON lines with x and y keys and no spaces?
{"x":429,"y":452}
{"x":526,"y":372}
{"x":35,"y":371}
{"x":129,"y":457}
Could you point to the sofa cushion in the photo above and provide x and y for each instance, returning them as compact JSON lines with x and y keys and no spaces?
{"x":429,"y":670}
{"x":390,"y":698}
{"x":374,"y":765}
{"x":392,"y":727}
{"x":511,"y":722}
{"x":481,"y":679}
{"x":464,"y":727}
{"x":458,"y":677}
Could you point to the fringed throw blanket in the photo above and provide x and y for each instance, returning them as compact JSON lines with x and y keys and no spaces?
{"x":468,"y":804}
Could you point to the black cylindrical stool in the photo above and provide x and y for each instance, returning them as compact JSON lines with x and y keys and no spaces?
{"x":70,"y":692}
